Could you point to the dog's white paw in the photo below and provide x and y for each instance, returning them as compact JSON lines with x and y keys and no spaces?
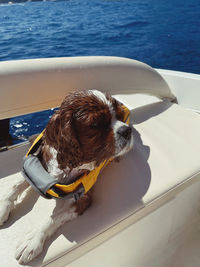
{"x":30,"y":248}
{"x":5,"y":209}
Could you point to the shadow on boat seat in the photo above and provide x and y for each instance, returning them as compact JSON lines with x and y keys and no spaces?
{"x":149,"y":111}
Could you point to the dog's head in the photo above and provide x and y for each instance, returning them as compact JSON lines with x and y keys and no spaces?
{"x":88,"y":128}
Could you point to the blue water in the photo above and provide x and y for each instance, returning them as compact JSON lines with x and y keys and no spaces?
{"x":163,"y":34}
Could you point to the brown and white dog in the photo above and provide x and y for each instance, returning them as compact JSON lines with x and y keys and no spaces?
{"x":86,"y":130}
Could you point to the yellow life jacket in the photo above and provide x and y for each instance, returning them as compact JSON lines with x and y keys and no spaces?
{"x":34,"y":172}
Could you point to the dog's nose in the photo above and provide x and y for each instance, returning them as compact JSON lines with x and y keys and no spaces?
{"x":125,"y":131}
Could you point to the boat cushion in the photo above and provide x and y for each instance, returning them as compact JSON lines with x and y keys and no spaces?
{"x":165,"y":155}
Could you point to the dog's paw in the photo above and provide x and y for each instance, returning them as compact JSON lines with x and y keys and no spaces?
{"x":5,"y":209}
{"x":30,"y":248}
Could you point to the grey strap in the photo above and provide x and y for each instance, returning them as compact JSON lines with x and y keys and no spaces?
{"x":37,"y":176}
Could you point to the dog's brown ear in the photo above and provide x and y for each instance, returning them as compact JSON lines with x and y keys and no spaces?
{"x":52,"y":131}
{"x":61,"y":135}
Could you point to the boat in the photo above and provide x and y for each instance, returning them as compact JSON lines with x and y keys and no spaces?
{"x":146,"y":207}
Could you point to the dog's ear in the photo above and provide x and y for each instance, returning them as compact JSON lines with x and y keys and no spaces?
{"x":61,"y":134}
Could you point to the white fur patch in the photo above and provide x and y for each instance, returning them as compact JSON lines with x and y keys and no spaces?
{"x":103,"y":98}
{"x":53,"y":164}
{"x":116,"y":124}
{"x":66,"y":175}
{"x":87,"y":166}
{"x":127,"y":148}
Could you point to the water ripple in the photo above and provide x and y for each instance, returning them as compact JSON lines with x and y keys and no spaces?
{"x":134,"y":24}
{"x":164,"y":34}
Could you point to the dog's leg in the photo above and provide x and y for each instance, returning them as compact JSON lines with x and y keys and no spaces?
{"x":64,"y":211}
{"x":32,"y":244}
{"x":12,"y":190}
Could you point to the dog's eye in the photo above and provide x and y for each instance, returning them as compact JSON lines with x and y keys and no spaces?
{"x":94,"y":125}
{"x":100,"y":125}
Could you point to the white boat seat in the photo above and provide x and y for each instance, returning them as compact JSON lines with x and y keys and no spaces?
{"x":165,"y":156}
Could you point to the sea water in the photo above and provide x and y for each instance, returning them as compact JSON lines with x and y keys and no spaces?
{"x":163,"y":34}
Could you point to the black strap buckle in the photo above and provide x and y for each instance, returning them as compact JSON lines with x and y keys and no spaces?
{"x":77,"y":194}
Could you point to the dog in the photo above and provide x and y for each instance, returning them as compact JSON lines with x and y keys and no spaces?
{"x":86,"y":130}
